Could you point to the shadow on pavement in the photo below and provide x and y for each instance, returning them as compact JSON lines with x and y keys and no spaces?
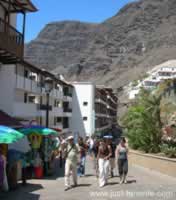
{"x":113,"y":183}
{"x":89,"y":175}
{"x":58,"y":171}
{"x":131,"y":181}
{"x":23,"y":193}
{"x":83,"y":185}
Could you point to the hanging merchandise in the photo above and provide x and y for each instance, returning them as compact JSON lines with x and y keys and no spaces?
{"x":5,"y":186}
{"x":1,"y":170}
{"x":35,"y":140}
{"x":38,"y":167}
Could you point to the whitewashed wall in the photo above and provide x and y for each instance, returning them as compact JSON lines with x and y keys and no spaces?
{"x":7,"y":84}
{"x":83,"y":92}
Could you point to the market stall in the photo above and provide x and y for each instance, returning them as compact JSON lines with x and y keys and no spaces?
{"x":43,"y":142}
{"x":7,"y":171}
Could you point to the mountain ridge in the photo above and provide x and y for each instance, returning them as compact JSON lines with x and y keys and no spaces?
{"x":120,"y":49}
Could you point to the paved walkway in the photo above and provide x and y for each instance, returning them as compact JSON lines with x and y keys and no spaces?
{"x":142,"y":184}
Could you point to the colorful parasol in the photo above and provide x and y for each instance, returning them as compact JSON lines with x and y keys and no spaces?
{"x":38,"y":130}
{"x":9,"y":135}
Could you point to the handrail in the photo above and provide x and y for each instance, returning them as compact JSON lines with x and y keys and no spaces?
{"x":11,"y":40}
{"x":9,"y":26}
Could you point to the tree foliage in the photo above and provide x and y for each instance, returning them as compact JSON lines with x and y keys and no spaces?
{"x":143,"y":123}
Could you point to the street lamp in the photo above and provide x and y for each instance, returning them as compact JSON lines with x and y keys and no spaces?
{"x":48,"y":89}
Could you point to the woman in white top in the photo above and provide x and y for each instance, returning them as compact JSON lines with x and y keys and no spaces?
{"x":122,"y":156}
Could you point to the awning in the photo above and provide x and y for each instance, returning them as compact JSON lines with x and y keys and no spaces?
{"x":6,"y":120}
{"x":18,"y":6}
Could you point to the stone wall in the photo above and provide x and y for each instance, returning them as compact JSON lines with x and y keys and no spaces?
{"x":157,"y":163}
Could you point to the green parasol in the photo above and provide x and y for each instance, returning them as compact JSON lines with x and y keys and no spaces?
{"x":38,"y":130}
{"x":9,"y":135}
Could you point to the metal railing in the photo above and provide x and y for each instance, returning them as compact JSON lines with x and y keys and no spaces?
{"x":67,"y":110}
{"x":11,"y":40}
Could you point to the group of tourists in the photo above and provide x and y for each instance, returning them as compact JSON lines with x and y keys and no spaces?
{"x":104,"y":153}
{"x":72,"y":153}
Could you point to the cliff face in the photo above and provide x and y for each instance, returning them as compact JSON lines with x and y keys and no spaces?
{"x":120,"y":49}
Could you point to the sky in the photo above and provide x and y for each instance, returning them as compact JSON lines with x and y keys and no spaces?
{"x":94,"y":11}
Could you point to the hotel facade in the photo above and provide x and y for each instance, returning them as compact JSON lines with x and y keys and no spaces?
{"x":94,"y":109}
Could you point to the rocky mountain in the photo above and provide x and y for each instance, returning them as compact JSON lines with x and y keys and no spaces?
{"x":120,"y":49}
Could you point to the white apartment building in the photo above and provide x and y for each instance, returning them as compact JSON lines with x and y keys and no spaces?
{"x":22,"y":89}
{"x":94,"y":109}
{"x":159,"y":73}
{"x":23,"y":96}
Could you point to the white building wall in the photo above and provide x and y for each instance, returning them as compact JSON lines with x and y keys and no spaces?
{"x":13,"y":17}
{"x":7,"y":91}
{"x":83,"y":92}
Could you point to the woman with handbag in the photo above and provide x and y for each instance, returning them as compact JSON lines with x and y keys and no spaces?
{"x":122,"y":156}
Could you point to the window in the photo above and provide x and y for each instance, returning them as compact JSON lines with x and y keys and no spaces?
{"x":25,"y":97}
{"x":85,"y":103}
{"x":65,"y":123}
{"x":26,"y":73}
{"x":84,"y":118}
{"x":55,"y":103}
{"x":32,"y":99}
{"x":59,"y":119}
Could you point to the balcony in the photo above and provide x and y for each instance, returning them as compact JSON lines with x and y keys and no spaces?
{"x":11,"y":44}
{"x":57,"y":111}
{"x":67,"y":110}
{"x":26,"y":110}
{"x":28,"y":85}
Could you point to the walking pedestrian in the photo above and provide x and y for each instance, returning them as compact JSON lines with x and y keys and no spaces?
{"x":95,"y":152}
{"x":82,"y":161}
{"x":122,"y":156}
{"x":104,"y":153}
{"x":71,"y":154}
{"x":112,"y":158}
{"x":91,"y":145}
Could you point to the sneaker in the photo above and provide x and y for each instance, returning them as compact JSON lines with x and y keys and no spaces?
{"x":121,"y":180}
{"x":67,"y":188}
{"x":102,"y":185}
{"x":124,"y":179}
{"x":75,"y":185}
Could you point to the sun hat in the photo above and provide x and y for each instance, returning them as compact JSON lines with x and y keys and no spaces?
{"x":70,"y":137}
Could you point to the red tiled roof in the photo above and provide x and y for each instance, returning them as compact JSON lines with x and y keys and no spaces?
{"x":6,"y":120}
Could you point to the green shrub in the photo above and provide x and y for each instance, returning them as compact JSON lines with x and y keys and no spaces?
{"x":169,"y":150}
{"x":143,"y":123}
